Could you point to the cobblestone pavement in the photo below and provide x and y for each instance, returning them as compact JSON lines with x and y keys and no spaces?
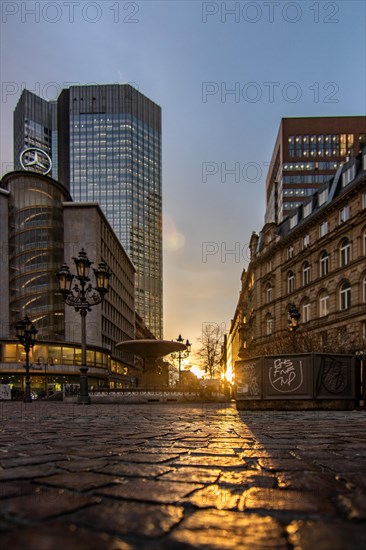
{"x":179,"y":477}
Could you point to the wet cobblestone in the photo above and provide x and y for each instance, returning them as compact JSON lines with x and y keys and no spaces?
{"x":180,"y":476}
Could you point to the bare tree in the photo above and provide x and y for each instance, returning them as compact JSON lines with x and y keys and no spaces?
{"x":209,"y":352}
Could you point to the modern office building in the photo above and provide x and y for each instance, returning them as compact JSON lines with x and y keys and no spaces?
{"x":108,"y":140}
{"x":40,"y":228}
{"x":308,"y":151}
{"x":35,"y":125}
{"x":314,"y":259}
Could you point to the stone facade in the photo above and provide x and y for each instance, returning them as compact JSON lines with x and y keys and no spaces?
{"x":314,"y":259}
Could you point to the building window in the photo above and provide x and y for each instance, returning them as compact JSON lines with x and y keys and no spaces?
{"x":364,"y":199}
{"x":306,"y":311}
{"x":268,"y":293}
{"x":307,"y":209}
{"x":324,"y":263}
{"x":290,"y":252}
{"x":345,"y":252}
{"x":364,"y":242}
{"x":293,"y":221}
{"x":269,"y":325}
{"x":344,"y":214}
{"x":364,"y":289}
{"x":306,"y":240}
{"x":290,"y":282}
{"x":306,"y":273}
{"x":323,"y":303}
{"x":323,"y":228}
{"x":345,"y":295}
{"x":364,"y":329}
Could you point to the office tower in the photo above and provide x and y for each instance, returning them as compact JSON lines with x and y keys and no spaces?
{"x":307,"y":153}
{"x":109,"y":151}
{"x":35,"y":125}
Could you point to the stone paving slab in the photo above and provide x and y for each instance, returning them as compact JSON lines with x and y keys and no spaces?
{"x":180,"y":476}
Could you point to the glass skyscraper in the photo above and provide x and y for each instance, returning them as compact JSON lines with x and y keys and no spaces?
{"x":109,"y":151}
{"x":35,"y":125}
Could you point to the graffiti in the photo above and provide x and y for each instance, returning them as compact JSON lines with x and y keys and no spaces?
{"x":332,"y":375}
{"x":248,"y":384}
{"x":285,"y":376}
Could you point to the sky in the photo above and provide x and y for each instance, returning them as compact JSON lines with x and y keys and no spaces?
{"x":224,"y":74}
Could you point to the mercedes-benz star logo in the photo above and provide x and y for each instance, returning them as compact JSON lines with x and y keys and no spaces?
{"x":36,"y":160}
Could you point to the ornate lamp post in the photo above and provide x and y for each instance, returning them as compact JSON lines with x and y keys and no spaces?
{"x":83,"y":296}
{"x":26,"y":333}
{"x":182,"y":354}
{"x":293,"y":323}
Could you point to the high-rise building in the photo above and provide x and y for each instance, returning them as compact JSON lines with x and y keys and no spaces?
{"x":307,"y":153}
{"x":35,"y":125}
{"x":109,"y":151}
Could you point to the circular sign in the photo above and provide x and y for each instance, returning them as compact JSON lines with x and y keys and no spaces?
{"x":36,"y":160}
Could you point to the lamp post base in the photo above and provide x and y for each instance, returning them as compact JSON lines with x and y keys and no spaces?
{"x":84,"y":398}
{"x":28,"y":395}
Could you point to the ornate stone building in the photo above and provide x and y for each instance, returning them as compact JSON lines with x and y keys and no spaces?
{"x":316,"y":259}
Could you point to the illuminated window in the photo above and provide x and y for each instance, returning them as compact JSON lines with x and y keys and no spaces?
{"x":323,"y":303}
{"x":324,"y":263}
{"x":345,"y":252}
{"x":290,"y":282}
{"x":269,"y":293}
{"x":323,"y":228}
{"x":344,"y":214}
{"x":345,"y":296}
{"x":306,"y":311}
{"x":306,"y":273}
{"x":269,"y":324}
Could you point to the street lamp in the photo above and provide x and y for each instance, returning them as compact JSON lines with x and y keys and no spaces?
{"x":182,"y":354}
{"x":83,"y":296}
{"x":26,"y":333}
{"x":293,"y":322}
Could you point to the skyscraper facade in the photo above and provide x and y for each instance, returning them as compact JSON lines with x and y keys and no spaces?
{"x":307,"y":153}
{"x":109,"y":151}
{"x":35,"y":125}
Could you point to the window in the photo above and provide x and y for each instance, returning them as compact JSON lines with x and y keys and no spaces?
{"x":323,"y":228}
{"x":306,"y":240}
{"x":348,"y":175}
{"x":324,"y":263}
{"x":364,"y":199}
{"x":306,"y":273}
{"x":307,"y":209}
{"x":268,"y":293}
{"x":290,"y":282}
{"x":269,"y":325}
{"x":345,"y":251}
{"x":293,"y":221}
{"x":364,"y":329}
{"x":344,"y":214}
{"x":345,"y":295}
{"x":290,"y":252}
{"x":323,"y":303}
{"x":306,"y":311}
{"x":364,"y":242}
{"x":364,"y":289}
